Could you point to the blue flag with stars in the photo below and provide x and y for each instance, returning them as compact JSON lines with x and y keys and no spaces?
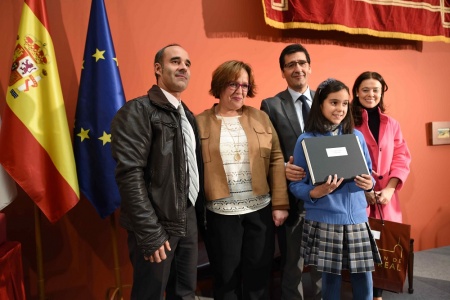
{"x":99,"y":98}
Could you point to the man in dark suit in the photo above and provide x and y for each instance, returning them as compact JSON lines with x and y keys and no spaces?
{"x":288,"y":112}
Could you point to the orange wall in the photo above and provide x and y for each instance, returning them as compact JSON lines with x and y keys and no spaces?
{"x":77,"y":251}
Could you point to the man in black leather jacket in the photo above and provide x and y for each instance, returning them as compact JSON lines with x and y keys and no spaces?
{"x":153,"y":179}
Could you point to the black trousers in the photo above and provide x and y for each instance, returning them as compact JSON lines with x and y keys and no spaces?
{"x":243,"y":247}
{"x":290,"y":237}
{"x":176,"y":276}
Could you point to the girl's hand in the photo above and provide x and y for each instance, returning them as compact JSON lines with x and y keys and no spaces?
{"x":327,"y":187}
{"x":365,"y":182}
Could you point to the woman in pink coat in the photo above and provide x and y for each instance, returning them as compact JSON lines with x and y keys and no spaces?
{"x":388,"y":150}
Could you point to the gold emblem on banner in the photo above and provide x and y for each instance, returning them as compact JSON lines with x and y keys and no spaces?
{"x":280,"y":5}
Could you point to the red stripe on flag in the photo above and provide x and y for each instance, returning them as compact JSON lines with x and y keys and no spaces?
{"x":31,"y":167}
{"x":39,"y":10}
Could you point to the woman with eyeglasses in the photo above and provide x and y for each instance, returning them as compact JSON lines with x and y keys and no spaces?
{"x":245,"y":186}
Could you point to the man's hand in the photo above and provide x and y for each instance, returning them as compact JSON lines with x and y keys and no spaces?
{"x":371,"y":197}
{"x":159,"y":254}
{"x":293,"y":172}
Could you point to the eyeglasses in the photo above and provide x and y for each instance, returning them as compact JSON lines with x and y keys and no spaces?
{"x":292,"y":64}
{"x":233,"y":86}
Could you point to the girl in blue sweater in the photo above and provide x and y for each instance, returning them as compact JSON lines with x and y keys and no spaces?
{"x":336,"y":233}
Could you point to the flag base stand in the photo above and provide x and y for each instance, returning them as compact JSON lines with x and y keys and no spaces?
{"x":115,"y":293}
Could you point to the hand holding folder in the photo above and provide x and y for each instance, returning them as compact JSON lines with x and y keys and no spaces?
{"x":328,"y":155}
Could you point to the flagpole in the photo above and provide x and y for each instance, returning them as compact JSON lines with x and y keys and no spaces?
{"x":40,"y":269}
{"x":116,"y":255}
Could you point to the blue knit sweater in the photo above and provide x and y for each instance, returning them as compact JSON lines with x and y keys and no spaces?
{"x":345,"y":205}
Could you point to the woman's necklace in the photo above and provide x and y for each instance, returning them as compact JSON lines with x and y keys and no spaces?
{"x":237,"y":155}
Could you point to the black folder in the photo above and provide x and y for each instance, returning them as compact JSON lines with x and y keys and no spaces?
{"x":329,"y":155}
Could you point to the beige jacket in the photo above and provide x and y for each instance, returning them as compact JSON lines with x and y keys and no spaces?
{"x":266,"y":158}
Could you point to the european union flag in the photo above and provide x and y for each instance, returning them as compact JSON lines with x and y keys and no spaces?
{"x":99,"y":98}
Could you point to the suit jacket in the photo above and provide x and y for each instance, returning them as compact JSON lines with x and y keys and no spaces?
{"x":283,"y":115}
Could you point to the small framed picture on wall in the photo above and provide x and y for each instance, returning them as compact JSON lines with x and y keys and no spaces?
{"x":439,"y":133}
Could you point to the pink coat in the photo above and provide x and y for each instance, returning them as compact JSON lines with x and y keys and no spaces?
{"x":390,"y":158}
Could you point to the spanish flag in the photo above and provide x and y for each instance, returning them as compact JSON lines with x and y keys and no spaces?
{"x":36,"y":145}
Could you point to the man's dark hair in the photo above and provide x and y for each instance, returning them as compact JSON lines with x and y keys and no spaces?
{"x":293,"y":48}
{"x":159,"y":57}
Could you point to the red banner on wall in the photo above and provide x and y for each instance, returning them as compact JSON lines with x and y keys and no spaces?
{"x":426,"y":20}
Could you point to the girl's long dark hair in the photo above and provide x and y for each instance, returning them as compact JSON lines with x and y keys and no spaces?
{"x":316,"y":120}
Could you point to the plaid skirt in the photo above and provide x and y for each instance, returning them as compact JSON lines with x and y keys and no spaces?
{"x":334,"y":247}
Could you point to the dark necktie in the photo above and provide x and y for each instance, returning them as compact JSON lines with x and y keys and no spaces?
{"x":305,"y":108}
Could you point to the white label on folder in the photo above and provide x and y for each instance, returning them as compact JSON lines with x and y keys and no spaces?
{"x":376,"y":234}
{"x":339,"y":151}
